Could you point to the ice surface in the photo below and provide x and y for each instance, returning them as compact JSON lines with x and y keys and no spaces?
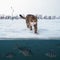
{"x":47,"y":29}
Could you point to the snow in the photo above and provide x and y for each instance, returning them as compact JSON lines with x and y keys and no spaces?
{"x":47,"y":29}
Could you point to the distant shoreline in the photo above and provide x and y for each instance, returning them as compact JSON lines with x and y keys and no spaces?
{"x":40,"y":16}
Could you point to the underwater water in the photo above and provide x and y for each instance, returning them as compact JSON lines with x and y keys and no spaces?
{"x":40,"y":49}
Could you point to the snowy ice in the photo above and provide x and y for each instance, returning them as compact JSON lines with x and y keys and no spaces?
{"x":47,"y":29}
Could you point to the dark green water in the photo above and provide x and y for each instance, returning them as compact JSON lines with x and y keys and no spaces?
{"x":38,"y":47}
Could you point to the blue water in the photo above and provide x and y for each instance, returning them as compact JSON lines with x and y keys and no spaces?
{"x":38,"y":47}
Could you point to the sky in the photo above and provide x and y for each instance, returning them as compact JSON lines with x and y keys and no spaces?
{"x":45,"y":7}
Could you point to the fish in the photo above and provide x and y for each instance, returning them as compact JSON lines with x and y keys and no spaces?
{"x":51,"y":54}
{"x":25,"y":51}
{"x":9,"y":55}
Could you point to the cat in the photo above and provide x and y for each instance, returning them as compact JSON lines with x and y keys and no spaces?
{"x":31,"y":20}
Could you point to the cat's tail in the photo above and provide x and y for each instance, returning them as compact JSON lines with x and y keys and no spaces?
{"x":22,"y":16}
